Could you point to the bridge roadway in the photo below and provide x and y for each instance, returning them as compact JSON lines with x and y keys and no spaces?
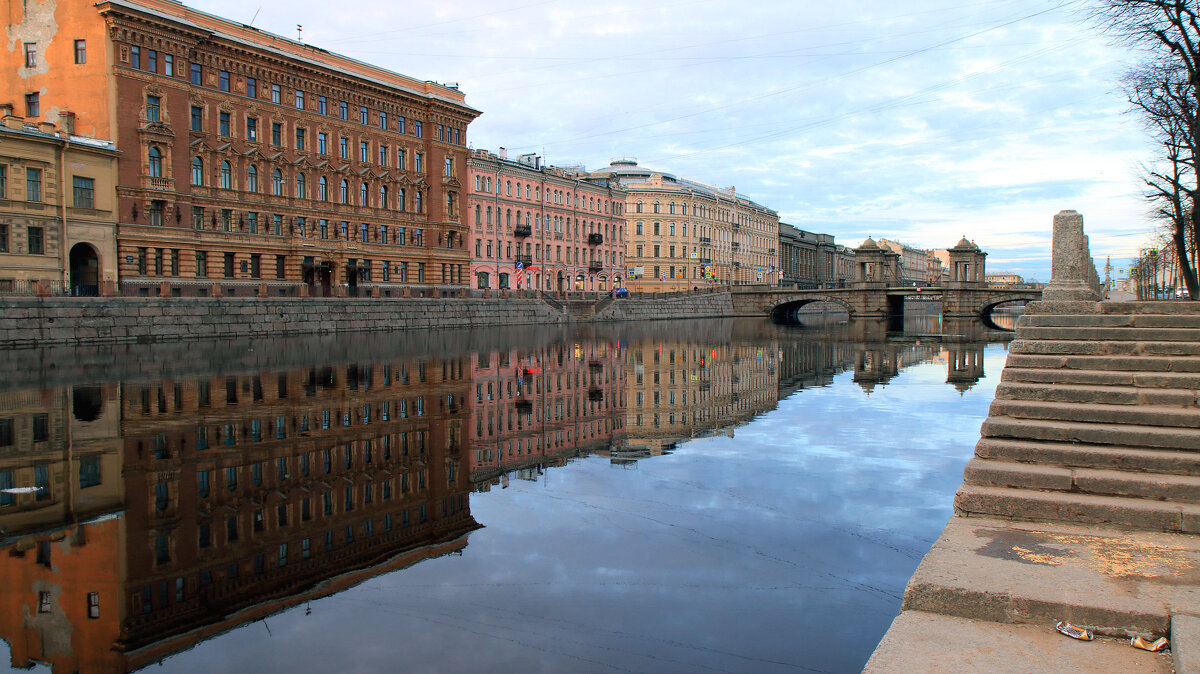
{"x":875,"y":301}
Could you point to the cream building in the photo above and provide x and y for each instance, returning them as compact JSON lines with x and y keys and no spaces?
{"x":684,"y":234}
{"x":57,"y":210}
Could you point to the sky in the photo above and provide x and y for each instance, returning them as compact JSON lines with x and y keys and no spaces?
{"x":921,"y":121}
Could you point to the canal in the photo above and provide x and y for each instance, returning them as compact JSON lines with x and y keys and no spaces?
{"x":725,"y":496}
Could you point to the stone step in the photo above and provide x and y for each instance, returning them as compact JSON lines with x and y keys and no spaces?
{"x":1164,"y":380}
{"x":1100,"y":482}
{"x":1048,"y":506}
{"x":1117,"y":334}
{"x":1150,"y":437}
{"x":1134,"y":308}
{"x":1085,"y":347}
{"x":1090,"y":393}
{"x":1104,"y":457}
{"x":1109,"y":320}
{"x":1139,"y":364}
{"x":1140,"y":415}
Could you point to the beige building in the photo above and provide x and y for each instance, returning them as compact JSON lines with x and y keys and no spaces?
{"x":57,"y":210}
{"x":683,"y":234}
{"x":914,"y":262}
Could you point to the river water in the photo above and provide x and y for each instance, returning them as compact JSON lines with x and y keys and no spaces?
{"x":725,"y":496}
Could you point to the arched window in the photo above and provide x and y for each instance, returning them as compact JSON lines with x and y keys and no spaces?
{"x":419,"y":207}
{"x":323,"y":189}
{"x":345,"y":192}
{"x":197,"y":171}
{"x":277,"y":183}
{"x":383,"y":196}
{"x":400,"y":205}
{"x":656,"y":207}
{"x":478,"y":214}
{"x":637,"y":208}
{"x":226,"y":176}
{"x":508,"y":218}
{"x":672,"y":206}
{"x":154,"y":155}
{"x":301,"y":186}
{"x":252,"y":178}
{"x":362,"y":194}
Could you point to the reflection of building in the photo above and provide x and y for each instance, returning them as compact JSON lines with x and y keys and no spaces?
{"x":680,"y":389}
{"x":57,"y":210}
{"x":964,"y":365}
{"x":683,"y":233}
{"x":551,"y":401}
{"x":878,"y":364}
{"x":569,"y":227}
{"x":250,"y":161}
{"x":242,"y":493}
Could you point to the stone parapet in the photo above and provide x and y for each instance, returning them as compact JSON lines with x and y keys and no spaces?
{"x":1072,"y":273}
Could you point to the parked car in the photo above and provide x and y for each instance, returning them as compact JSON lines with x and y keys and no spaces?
{"x":621,"y":292}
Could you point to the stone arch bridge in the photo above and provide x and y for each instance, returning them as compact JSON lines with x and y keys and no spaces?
{"x":879,"y":302}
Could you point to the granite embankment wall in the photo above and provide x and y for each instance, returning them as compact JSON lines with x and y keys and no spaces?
{"x":40,"y":322}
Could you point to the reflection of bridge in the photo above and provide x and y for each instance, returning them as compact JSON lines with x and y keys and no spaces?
{"x":878,"y":294}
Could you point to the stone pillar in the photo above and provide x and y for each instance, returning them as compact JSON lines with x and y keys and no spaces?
{"x":1072,"y":275}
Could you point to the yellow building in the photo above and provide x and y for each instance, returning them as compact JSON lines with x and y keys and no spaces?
{"x":57,"y":210}
{"x":684,"y":234}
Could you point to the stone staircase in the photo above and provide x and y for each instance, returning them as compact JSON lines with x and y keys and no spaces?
{"x":1096,"y":419}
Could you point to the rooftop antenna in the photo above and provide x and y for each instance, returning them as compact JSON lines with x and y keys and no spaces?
{"x":255,"y":15}
{"x":299,"y":33}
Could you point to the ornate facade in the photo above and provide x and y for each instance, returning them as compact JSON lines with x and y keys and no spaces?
{"x":566,"y":229}
{"x":251,"y":163}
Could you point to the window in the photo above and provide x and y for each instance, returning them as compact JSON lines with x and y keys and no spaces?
{"x":383,"y":120}
{"x":152,"y":60}
{"x":343,"y":147}
{"x":277,"y":183}
{"x":322,"y":141}
{"x":33,"y":184}
{"x":383,"y":155}
{"x":417,"y":129}
{"x":81,"y":52}
{"x":152,"y":103}
{"x":84,"y":191}
{"x":323,"y":189}
{"x":417,"y":163}
{"x":450,"y":168}
{"x":251,"y":87}
{"x":223,"y":124}
{"x":93,"y":598}
{"x":419,"y":208}
{"x":345,"y":192}
{"x":252,"y":178}
{"x":276,"y":93}
{"x":33,"y":106}
{"x":226,"y":176}
{"x":197,"y":171}
{"x":300,"y":133}
{"x":252,"y":222}
{"x":362,"y":114}
{"x":402,"y":159}
{"x":36,"y":247}
{"x":362,"y":197}
{"x":301,"y":189}
{"x":135,"y":57}
{"x":299,"y":100}
{"x":3,"y":249}
{"x":276,"y":133}
{"x":322,"y":105}
{"x":195,"y":74}
{"x":400,"y":124}
{"x":197,"y":118}
{"x":252,"y":129}
{"x":223,"y":79}
{"x":344,"y":110}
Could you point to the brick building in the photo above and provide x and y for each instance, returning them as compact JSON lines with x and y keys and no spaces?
{"x":251,"y":163}
{"x":569,"y":227}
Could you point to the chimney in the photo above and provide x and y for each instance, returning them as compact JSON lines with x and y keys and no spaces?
{"x":504,"y":153}
{"x":6,"y":109}
{"x":66,"y":121}
{"x":46,"y":127}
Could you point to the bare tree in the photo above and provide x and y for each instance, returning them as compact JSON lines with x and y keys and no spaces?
{"x":1164,"y":88}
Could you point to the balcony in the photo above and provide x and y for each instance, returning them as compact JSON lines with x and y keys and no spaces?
{"x":595,"y":239}
{"x":705,"y":240}
{"x":524,"y":260}
{"x":736,"y":245}
{"x":706,"y":260}
{"x":522,"y":230}
{"x":595,"y":265}
{"x":771,"y":251}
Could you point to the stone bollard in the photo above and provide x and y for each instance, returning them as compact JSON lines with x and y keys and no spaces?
{"x":374,"y":291}
{"x":164,"y":289}
{"x":108,"y":289}
{"x":304,"y":290}
{"x":406,"y":292}
{"x":1072,"y":275}
{"x":262,"y":290}
{"x":216,"y":290}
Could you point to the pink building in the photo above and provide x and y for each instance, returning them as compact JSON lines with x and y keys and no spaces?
{"x":566,"y":231}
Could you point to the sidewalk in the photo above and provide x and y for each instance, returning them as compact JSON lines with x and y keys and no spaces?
{"x":988,"y":594}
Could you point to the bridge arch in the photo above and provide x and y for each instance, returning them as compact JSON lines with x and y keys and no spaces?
{"x":784,"y":309}
{"x":985,"y":311}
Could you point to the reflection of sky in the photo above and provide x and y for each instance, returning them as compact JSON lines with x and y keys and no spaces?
{"x":784,"y":548}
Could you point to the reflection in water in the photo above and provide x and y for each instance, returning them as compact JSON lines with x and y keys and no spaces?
{"x":141,"y":515}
